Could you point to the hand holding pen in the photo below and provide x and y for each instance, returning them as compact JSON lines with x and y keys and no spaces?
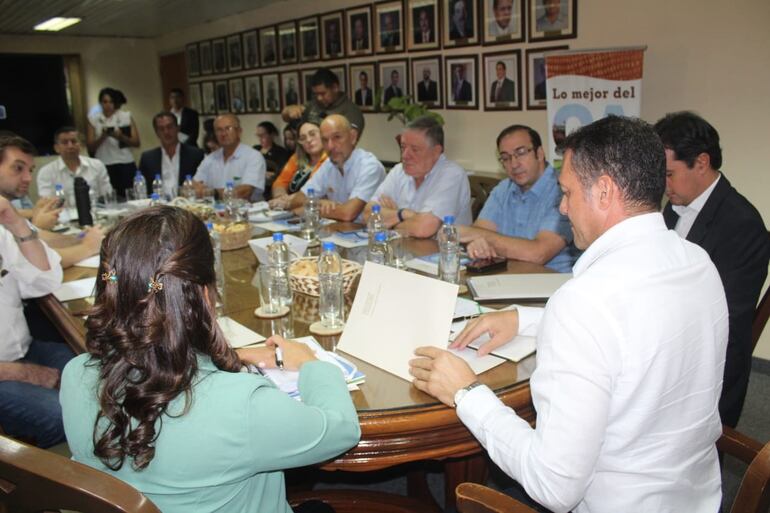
{"x":289,"y":355}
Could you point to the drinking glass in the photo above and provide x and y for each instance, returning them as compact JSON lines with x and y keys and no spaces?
{"x":269,"y":294}
{"x":397,"y":241}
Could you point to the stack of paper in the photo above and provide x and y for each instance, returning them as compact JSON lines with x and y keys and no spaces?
{"x":429,"y":263}
{"x":517,"y":349}
{"x":350,"y":239}
{"x":517,"y":286}
{"x":77,"y":289}
{"x":236,"y":334}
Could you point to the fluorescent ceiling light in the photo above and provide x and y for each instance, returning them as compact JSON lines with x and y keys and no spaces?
{"x":56,"y":24}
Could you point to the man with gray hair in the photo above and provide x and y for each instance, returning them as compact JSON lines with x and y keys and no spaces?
{"x":425,"y":186}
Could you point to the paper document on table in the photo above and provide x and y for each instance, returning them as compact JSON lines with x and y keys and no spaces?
{"x":516,"y":350}
{"x":236,"y":334}
{"x":297,"y":246}
{"x":352,"y":239}
{"x":429,"y":263}
{"x":77,"y":289}
{"x":478,"y":363}
{"x":90,"y":262}
{"x":517,"y":286}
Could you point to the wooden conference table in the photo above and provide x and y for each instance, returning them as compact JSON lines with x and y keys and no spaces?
{"x":399,"y":424}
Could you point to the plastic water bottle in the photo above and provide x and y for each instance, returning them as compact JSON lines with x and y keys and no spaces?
{"x":375,"y":224}
{"x":140,"y":186}
{"x":330,"y":280}
{"x":379,"y":250}
{"x":154,"y":199}
{"x":157,"y":185}
{"x":278,"y":259}
{"x":311,"y":216}
{"x":449,"y":251}
{"x":218,"y":269}
{"x":228,"y":197}
{"x":64,"y":216}
{"x":188,"y":189}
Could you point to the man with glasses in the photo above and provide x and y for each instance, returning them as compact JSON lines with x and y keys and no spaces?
{"x":521,"y":218}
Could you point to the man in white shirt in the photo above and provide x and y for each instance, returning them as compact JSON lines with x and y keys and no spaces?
{"x":630,"y":352}
{"x":503,"y":23}
{"x":70,"y":164}
{"x":232,"y":162}
{"x":552,"y":19}
{"x":348,"y":178}
{"x":425,"y":186}
{"x":29,"y":369}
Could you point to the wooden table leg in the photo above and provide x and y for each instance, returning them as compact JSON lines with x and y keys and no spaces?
{"x":472,"y":469}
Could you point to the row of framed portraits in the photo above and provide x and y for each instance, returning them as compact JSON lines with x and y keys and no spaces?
{"x":437,"y":81}
{"x":389,"y":26}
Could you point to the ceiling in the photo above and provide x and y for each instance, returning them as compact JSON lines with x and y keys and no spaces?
{"x":119,"y":18}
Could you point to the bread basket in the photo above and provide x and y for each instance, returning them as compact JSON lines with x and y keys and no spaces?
{"x":303,"y":275}
{"x":233,"y":235}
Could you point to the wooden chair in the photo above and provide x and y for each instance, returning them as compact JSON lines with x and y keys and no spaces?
{"x":481,"y":186}
{"x":355,"y":501}
{"x":33,"y":480}
{"x":753,"y":495}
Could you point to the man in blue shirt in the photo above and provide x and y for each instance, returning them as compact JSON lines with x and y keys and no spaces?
{"x":521,"y":218}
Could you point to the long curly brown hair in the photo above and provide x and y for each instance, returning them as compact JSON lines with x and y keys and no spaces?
{"x":146,"y":342}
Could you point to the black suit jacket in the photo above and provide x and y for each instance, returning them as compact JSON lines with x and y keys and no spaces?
{"x":465,"y":93}
{"x":392,"y":92}
{"x":359,"y":99}
{"x":429,"y":93}
{"x":150,"y":163}
{"x":731,"y":231}
{"x":506,"y":91}
{"x":190,"y":125}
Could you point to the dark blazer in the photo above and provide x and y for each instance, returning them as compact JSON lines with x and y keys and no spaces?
{"x":359,"y":99}
{"x":506,"y":91}
{"x":731,"y":231}
{"x":190,"y":125}
{"x":429,"y":93}
{"x":150,"y":163}
{"x":392,"y":92}
{"x":465,"y":94}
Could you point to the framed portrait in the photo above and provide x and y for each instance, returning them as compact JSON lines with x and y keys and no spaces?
{"x":389,"y":27}
{"x":339,"y":71}
{"x":253,"y":94}
{"x":237,"y":101}
{"x":422,"y":25}
{"x":267,"y":46}
{"x":222,"y":98}
{"x":309,"y":39}
{"x":362,"y":85}
{"x":461,"y":79}
{"x":204,"y":53}
{"x":208,"y":102}
{"x":193,"y":62}
{"x":393,"y":80}
{"x":552,"y":19}
{"x":194,"y":92}
{"x":503,"y":21}
{"x":290,"y":88}
{"x":460,"y":22}
{"x":234,"y":53}
{"x":359,"y":24}
{"x":250,"y":50}
{"x":272,"y":90}
{"x":287,"y":42}
{"x":427,"y":81}
{"x":502,"y":80}
{"x":536,"y":77}
{"x":307,"y":75}
{"x":220,"y":55}
{"x":332,"y":40}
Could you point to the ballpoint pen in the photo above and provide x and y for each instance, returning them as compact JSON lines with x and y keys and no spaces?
{"x":278,"y":357}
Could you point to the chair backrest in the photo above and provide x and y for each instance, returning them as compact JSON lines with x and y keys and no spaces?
{"x":754,"y":493}
{"x":34,"y":480}
{"x":761,"y":314}
{"x":476,"y":498}
{"x":481,"y":186}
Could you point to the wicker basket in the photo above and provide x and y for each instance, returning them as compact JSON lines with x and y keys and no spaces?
{"x":308,"y":284}
{"x":233,"y":235}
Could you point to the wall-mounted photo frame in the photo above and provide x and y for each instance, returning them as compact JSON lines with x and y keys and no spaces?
{"x":222,"y":96}
{"x":503,"y":21}
{"x":268,"y":47}
{"x":234,"y":53}
{"x":194,"y":92}
{"x":332,"y":36}
{"x":427,"y":81}
{"x":208,"y":100}
{"x":359,"y":26}
{"x":250,"y":50}
{"x":422,"y":25}
{"x":193,"y":60}
{"x":290,"y":88}
{"x":460,"y":23}
{"x":253,"y":94}
{"x":287,"y":42}
{"x":207,"y":61}
{"x":389,"y":26}
{"x":237,"y":96}
{"x":307,"y":75}
{"x":393,"y":79}
{"x":272,"y":93}
{"x":309,"y":39}
{"x":461,"y":81}
{"x":341,"y":72}
{"x":363,"y":84}
{"x":502,"y":80}
{"x":552,"y":19}
{"x":219,"y":51}
{"x":536,"y":77}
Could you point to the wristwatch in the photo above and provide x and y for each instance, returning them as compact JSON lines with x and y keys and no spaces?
{"x":460,"y":394}
{"x":400,"y":214}
{"x":32,"y":235}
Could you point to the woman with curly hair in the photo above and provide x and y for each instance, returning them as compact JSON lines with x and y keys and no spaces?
{"x":162,"y":401}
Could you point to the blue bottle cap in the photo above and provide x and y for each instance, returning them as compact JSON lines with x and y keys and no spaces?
{"x":328,"y":246}
{"x":138,"y":173}
{"x":155,"y":196}
{"x":380,"y":237}
{"x":376,"y":208}
{"x":229,"y":184}
{"x":157,"y":176}
{"x":209,"y":226}
{"x":449,"y":219}
{"x":310,"y":191}
{"x":58,"y":186}
{"x":188,"y":177}
{"x":278,"y":236}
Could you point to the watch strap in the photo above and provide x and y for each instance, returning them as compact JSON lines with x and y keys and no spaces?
{"x":33,"y":235}
{"x":460,"y":394}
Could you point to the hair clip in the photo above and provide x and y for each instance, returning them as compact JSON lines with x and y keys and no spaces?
{"x":110,"y":276}
{"x":154,"y":285}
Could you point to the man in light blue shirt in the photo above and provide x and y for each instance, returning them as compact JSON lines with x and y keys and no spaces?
{"x":233,"y":161}
{"x":521,"y":218}
{"x":425,"y":186}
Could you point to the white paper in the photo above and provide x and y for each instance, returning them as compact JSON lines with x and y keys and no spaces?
{"x":77,"y":289}
{"x":265,"y":216}
{"x":348,"y":241}
{"x":90,"y":262}
{"x":278,"y":226}
{"x":517,"y":286}
{"x":236,"y":334}
{"x":516,"y":350}
{"x":477,"y":363}
{"x":297,"y":246}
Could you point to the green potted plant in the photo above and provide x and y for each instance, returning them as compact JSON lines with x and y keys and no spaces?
{"x":405,"y":108}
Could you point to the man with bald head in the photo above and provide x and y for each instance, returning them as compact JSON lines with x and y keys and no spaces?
{"x":232,"y":162}
{"x":348,"y":178}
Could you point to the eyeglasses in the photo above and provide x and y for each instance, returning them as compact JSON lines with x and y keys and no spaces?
{"x":518,"y":153}
{"x":221,"y":130}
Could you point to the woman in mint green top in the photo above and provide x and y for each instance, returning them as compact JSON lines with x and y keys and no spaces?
{"x":160,"y":403}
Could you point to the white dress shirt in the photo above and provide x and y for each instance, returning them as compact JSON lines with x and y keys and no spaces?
{"x":630,"y":357}
{"x":22,"y":281}
{"x":169,"y":167}
{"x":91,"y":170}
{"x":444,"y":192}
{"x":109,"y":151}
{"x":178,"y":115}
{"x":246,"y":166}
{"x":688,"y":213}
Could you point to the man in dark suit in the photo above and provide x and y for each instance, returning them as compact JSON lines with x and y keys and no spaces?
{"x":502,"y":88}
{"x":393,"y":90}
{"x":389,"y":36}
{"x":363,"y":96}
{"x":705,"y":209}
{"x":461,"y":23}
{"x":172,"y":160}
{"x":187,"y":118}
{"x":427,"y":89}
{"x":461,"y":88}
{"x":423,"y":28}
